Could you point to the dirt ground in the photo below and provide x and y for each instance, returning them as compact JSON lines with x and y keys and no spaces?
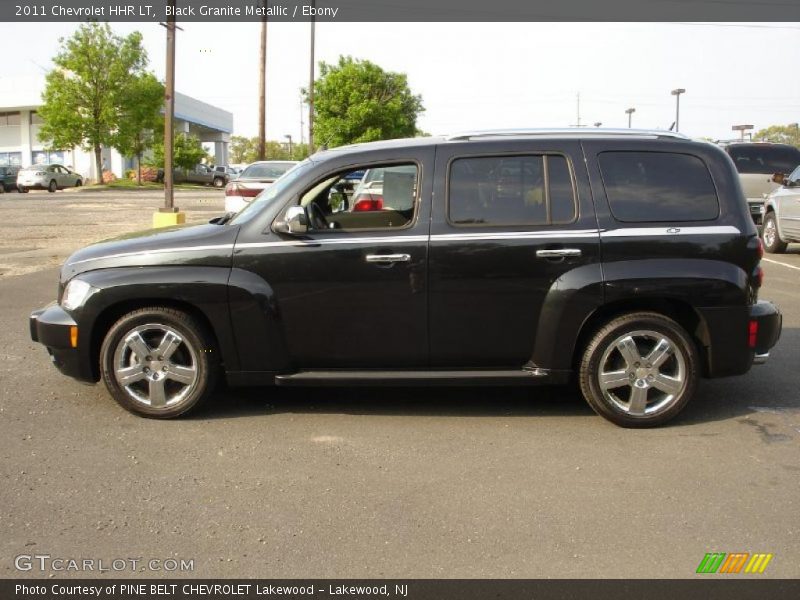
{"x":39,"y":230}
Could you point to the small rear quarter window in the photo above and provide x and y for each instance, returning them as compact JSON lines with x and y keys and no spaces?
{"x":658,"y":186}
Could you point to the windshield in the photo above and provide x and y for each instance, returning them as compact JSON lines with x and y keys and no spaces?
{"x":266,"y":170}
{"x":764,"y":158}
{"x":266,"y":197}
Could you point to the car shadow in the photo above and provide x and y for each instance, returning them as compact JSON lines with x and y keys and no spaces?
{"x":772,"y":384}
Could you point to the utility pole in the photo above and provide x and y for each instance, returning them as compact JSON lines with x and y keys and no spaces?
{"x":311,"y":89}
{"x":262,"y":89}
{"x":677,"y":93}
{"x":169,"y":214}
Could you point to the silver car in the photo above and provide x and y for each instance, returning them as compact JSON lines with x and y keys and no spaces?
{"x":782,"y":214}
{"x":252,"y":181}
{"x":47,"y":177}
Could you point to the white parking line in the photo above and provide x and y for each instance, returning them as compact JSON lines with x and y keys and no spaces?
{"x":777,"y":262}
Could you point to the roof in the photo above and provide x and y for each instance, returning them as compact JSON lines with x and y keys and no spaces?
{"x":481,"y":135}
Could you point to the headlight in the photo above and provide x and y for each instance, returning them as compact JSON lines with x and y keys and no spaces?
{"x":75,"y":294}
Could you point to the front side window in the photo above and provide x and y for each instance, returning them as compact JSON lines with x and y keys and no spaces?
{"x":378,"y":197}
{"x":511,"y":190}
{"x":658,"y":187}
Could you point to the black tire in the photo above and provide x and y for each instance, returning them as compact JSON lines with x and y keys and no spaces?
{"x":52,"y":187}
{"x":655,"y":406}
{"x":193,"y":357}
{"x":770,"y":236}
{"x":22,"y":189}
{"x":78,"y":183}
{"x":219,"y":182}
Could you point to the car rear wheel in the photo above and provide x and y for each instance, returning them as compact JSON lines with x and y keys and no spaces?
{"x":22,"y":189}
{"x":78,"y":183}
{"x":219,"y":182}
{"x":772,"y":239}
{"x":639,"y":370}
{"x":52,"y":187}
{"x":159,"y":362}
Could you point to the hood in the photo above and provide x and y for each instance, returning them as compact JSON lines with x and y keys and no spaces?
{"x":206,"y":245}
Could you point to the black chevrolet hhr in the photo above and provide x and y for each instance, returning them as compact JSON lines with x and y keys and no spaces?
{"x":626,"y":261}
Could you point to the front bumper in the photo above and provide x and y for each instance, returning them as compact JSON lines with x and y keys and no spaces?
{"x":769,"y":321}
{"x":50,"y":326}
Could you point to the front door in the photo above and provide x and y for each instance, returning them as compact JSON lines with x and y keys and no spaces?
{"x":352,"y":292}
{"x":507,"y":230}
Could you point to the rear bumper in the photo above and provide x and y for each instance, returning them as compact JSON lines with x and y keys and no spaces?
{"x":770,"y":322}
{"x":50,"y":326}
{"x":756,"y":206}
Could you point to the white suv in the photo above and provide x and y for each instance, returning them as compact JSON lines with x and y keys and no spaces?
{"x":782,"y":215}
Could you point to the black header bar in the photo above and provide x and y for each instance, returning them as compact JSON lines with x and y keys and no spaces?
{"x":214,"y":11}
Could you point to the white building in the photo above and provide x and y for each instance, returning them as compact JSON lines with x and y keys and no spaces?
{"x":20,"y":145}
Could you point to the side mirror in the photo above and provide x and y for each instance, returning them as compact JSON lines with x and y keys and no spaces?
{"x":296,"y":220}
{"x":779,"y":178}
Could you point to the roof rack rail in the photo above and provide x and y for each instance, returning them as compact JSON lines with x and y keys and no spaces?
{"x":576,"y":131}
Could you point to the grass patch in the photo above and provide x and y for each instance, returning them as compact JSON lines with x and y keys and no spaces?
{"x":131,"y":185}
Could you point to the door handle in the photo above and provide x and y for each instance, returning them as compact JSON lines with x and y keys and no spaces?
{"x":388,"y":258}
{"x":558,"y":253}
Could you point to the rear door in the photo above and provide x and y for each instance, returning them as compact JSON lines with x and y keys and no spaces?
{"x":507,"y":228}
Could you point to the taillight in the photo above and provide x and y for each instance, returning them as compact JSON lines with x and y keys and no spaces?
{"x":760,"y":249}
{"x":237,"y":189}
{"x":752,"y":334}
{"x":368,"y":204}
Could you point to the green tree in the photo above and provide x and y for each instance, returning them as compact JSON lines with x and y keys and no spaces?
{"x":784,"y":134}
{"x":242,"y":149}
{"x":245,"y":150}
{"x":140,"y":121}
{"x":357,"y":101}
{"x":87,"y":91}
{"x":187,"y":150}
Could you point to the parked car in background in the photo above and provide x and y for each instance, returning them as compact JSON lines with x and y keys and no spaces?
{"x":782,"y":214}
{"x":757,"y":163}
{"x":231,"y":172}
{"x":625,"y":261}
{"x":8,"y":178}
{"x":201,"y":174}
{"x":50,"y":177}
{"x":253,"y":179}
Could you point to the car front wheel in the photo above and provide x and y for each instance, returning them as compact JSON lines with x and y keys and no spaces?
{"x":772,"y":239}
{"x":639,"y":370}
{"x":22,"y":189}
{"x":52,"y":187}
{"x":159,"y":362}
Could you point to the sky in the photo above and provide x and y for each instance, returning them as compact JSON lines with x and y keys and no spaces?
{"x":483,"y":75}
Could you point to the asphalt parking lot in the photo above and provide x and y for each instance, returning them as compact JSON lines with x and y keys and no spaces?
{"x":370,"y":482}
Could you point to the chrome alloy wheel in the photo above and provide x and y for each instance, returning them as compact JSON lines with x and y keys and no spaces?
{"x":769,"y":233}
{"x":642,"y":373}
{"x":156,"y":366}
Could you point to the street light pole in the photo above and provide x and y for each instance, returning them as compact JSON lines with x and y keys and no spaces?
{"x":677,"y":93}
{"x":630,"y":112}
{"x":289,"y":137}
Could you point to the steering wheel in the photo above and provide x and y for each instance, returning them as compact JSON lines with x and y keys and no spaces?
{"x":316,"y":216}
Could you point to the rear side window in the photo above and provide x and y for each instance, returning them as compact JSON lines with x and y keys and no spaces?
{"x":764,"y":158}
{"x":511,"y":190}
{"x":658,"y":186}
